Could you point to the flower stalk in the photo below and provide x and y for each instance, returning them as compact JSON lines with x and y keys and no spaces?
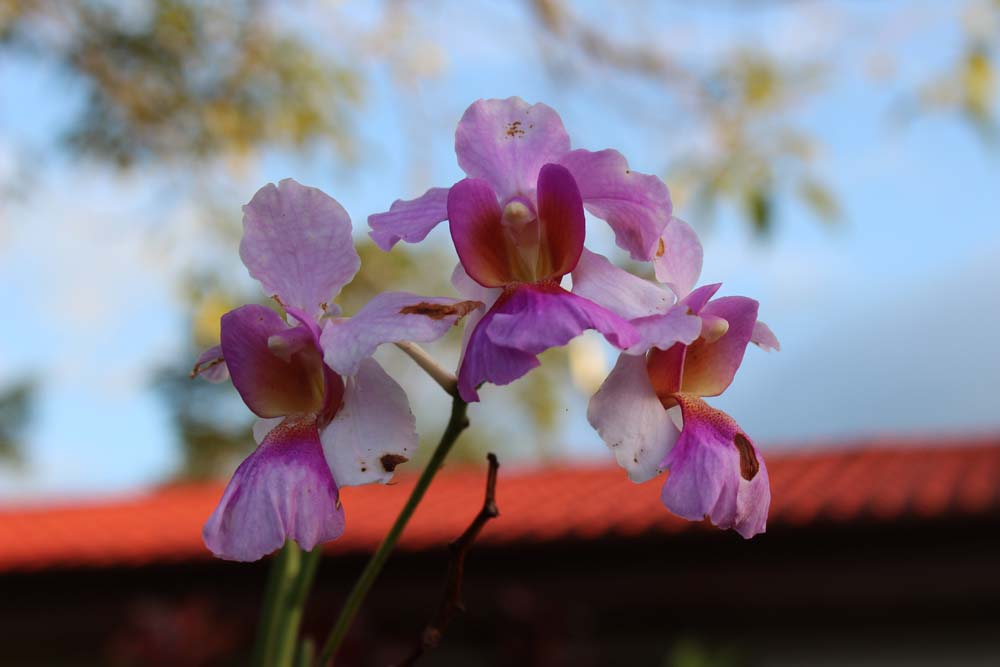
{"x":288,"y":586}
{"x":457,"y":423}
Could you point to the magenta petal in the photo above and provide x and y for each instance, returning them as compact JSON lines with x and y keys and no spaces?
{"x":409,"y":220}
{"x":563,"y":223}
{"x":535,"y":318}
{"x":716,"y":472}
{"x":283,"y":491}
{"x":474,"y":218}
{"x":506,"y":142}
{"x":697,"y":299}
{"x":211,"y":365}
{"x":637,"y":206}
{"x":678,"y":257}
{"x":389,"y":317}
{"x":271,"y":386}
{"x":709,"y":367}
{"x":485,"y":361}
{"x":297,"y":243}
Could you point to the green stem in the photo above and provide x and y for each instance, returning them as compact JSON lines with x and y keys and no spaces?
{"x":286,"y":637}
{"x":279,"y":578}
{"x":287,"y":589}
{"x":456,"y":424}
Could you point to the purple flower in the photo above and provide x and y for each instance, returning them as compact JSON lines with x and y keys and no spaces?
{"x":689,"y":350}
{"x":322,"y":425}
{"x":518,"y":225}
{"x":506,"y":143}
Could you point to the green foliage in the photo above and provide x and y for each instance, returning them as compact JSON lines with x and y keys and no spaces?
{"x":185,"y":80}
{"x":16,"y":406}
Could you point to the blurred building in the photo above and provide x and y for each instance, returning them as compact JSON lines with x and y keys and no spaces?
{"x":880,"y":553}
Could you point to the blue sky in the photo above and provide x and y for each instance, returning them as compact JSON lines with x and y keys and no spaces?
{"x":888,"y":322}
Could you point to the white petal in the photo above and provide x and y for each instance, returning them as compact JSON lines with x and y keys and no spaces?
{"x":616,"y":289}
{"x":390,"y":317}
{"x":374,"y":430}
{"x":631,"y":420}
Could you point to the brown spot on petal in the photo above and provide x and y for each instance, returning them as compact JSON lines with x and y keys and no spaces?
{"x":661,"y":248}
{"x":439,"y":311}
{"x":749,"y":467}
{"x":390,"y":461}
{"x":514,"y":130}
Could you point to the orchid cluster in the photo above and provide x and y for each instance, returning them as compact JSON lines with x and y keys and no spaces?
{"x":330,"y":416}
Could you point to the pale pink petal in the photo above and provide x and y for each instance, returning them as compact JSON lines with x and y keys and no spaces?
{"x":709,"y":367}
{"x":282,"y":491}
{"x":764,"y":338}
{"x":506,"y":142}
{"x":474,"y":218}
{"x":390,"y":317}
{"x":616,"y":289}
{"x":211,"y":365}
{"x":677,"y":325}
{"x":716,"y":472}
{"x":678,"y":257}
{"x":631,"y":420}
{"x":411,"y":220}
{"x":637,"y":206}
{"x":270,"y":386}
{"x":297,"y":243}
{"x":563,"y":223}
{"x":373,"y":432}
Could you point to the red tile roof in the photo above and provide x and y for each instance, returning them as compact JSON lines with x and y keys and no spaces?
{"x":874,"y":481}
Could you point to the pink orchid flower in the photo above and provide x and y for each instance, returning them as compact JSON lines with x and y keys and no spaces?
{"x":518,"y":225}
{"x":689,"y":350}
{"x":322,"y":425}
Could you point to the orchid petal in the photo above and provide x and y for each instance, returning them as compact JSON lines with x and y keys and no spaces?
{"x":506,"y":142}
{"x":390,"y":317}
{"x":211,"y":365}
{"x":373,"y":432}
{"x":283,"y":490}
{"x":409,"y":220}
{"x":709,"y":367}
{"x":535,"y":318}
{"x":563,"y":224}
{"x":764,"y":338}
{"x":474,"y":218}
{"x":677,"y":325}
{"x":483,"y":360}
{"x":697,"y":299}
{"x":616,"y":289}
{"x":268,"y":384}
{"x":716,"y":471}
{"x":678,"y":257}
{"x":627,"y":414}
{"x":636,"y":206}
{"x":297,"y":243}
{"x":261,"y":427}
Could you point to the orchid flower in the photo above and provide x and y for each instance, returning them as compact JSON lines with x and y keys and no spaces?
{"x":518,"y":225}
{"x":715,"y":469}
{"x":322,"y":425}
